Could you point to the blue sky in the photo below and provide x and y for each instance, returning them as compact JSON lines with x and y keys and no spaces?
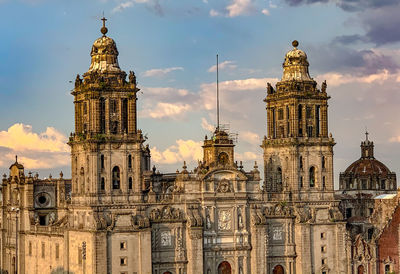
{"x":171,"y":45}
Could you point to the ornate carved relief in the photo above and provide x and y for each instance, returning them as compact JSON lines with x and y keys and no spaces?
{"x":224,"y":186}
{"x":167,"y":213}
{"x":224,"y":219}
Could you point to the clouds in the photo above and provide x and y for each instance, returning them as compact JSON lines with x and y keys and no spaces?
{"x":182,"y":150}
{"x":36,"y":150}
{"x":161,"y":72}
{"x":225,"y":65}
{"x":152,"y":5}
{"x":167,"y":110}
{"x":237,"y":8}
{"x":348,"y":5}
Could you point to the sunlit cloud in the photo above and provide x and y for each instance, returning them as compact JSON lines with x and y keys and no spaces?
{"x":35,"y":150}
{"x":235,"y":8}
{"x":166,"y":110}
{"x":336,"y":79}
{"x":183,"y":150}
{"x":249,"y":137}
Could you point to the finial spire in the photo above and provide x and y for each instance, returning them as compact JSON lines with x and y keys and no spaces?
{"x":295,"y":43}
{"x":104,"y":30}
{"x":366,"y":134}
{"x":16,"y":158}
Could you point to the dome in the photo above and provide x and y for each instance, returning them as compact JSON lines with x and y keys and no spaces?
{"x":368,"y":166}
{"x":104,"y":55}
{"x":295,"y":66}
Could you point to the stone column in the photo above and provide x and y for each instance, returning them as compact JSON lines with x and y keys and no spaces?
{"x":97,"y":116}
{"x":195,"y":250}
{"x":259,"y":252}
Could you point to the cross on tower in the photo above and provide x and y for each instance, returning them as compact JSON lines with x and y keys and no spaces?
{"x":104,"y":30}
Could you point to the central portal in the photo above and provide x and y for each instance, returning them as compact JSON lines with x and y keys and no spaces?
{"x":224,"y":268}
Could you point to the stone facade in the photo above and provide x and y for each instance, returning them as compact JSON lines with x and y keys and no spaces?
{"x":117,"y":215}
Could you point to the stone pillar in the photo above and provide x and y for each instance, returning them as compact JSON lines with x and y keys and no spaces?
{"x":97,"y":116}
{"x":259,"y":251}
{"x":195,"y":250}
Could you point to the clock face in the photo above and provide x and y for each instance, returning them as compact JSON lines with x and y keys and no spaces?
{"x":223,"y":158}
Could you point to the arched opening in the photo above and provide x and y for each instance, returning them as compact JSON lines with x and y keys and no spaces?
{"x":278,"y":270}
{"x":116,"y":178}
{"x":360,"y":269}
{"x":312,"y":176}
{"x":300,"y":117}
{"x":323,"y":162}
{"x":167,"y":272}
{"x":301,"y":162}
{"x":102,"y":184}
{"x":129,"y":161}
{"x":224,"y":268}
{"x":279,"y":179}
{"x":102,"y":161}
{"x":130,"y":183}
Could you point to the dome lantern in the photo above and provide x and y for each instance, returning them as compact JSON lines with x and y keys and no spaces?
{"x":295,"y":66}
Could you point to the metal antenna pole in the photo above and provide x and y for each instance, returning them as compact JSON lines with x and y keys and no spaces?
{"x":217,"y":97}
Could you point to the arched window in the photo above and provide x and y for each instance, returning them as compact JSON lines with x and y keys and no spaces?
{"x":129,"y":161}
{"x":300,"y":117}
{"x":115,"y":178}
{"x":279,"y":178}
{"x":102,"y":184}
{"x":130,"y":183}
{"x":323,"y":182}
{"x":301,"y":181}
{"x":102,"y":161}
{"x":383,"y":184}
{"x":323,"y":162}
{"x":301,"y":162}
{"x":312,"y":176}
{"x":360,"y":269}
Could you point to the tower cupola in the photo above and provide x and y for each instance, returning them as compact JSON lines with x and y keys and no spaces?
{"x":295,"y":66}
{"x":367,"y":148}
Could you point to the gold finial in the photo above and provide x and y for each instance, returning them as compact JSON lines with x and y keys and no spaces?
{"x":104,"y":30}
{"x":295,"y":43}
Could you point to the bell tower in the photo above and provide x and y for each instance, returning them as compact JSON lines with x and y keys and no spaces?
{"x":298,"y":152}
{"x":107,"y":152}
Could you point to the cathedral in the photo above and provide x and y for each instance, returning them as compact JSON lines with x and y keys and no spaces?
{"x":118,"y":214}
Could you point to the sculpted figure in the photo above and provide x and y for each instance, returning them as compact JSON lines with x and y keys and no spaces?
{"x":78,"y":81}
{"x":132,"y":77}
{"x":270,"y":89}
{"x":324,"y":86}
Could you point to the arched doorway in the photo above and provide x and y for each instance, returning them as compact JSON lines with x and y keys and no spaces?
{"x":360,"y":269}
{"x":224,"y":268}
{"x":278,"y":270}
{"x":167,"y":272}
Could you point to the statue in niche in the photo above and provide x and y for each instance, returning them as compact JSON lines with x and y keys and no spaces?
{"x":208,"y":222}
{"x":240,"y":220}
